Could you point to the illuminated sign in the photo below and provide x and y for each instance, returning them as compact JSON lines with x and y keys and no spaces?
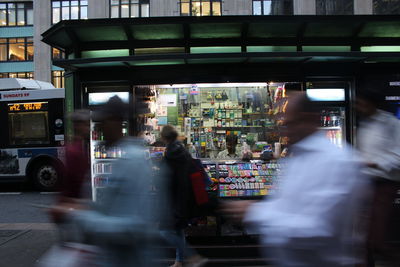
{"x":394,"y":83}
{"x":393,"y":98}
{"x":14,"y":95}
{"x":34,"y":106}
{"x":102,"y":98}
{"x":326,"y":94}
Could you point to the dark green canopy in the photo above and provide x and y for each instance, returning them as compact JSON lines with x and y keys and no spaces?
{"x":226,"y":39}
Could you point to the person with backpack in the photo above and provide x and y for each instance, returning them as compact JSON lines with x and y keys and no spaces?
{"x":181,"y":198}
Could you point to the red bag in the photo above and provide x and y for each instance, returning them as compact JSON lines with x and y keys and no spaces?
{"x":199,"y":183}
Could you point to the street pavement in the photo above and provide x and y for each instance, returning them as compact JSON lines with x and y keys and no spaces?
{"x":25,"y":231}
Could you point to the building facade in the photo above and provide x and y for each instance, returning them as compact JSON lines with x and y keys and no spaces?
{"x":24,"y":55}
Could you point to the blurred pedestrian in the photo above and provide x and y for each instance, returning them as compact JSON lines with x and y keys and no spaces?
{"x":309,"y":221}
{"x":181,"y":199}
{"x":76,"y":180}
{"x":122,"y":221}
{"x":379,"y":143}
{"x":77,"y":157}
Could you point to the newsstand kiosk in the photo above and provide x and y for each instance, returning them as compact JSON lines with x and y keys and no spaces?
{"x":223,"y":83}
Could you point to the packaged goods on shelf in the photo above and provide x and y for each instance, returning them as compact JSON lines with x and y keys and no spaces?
{"x":243,"y":179}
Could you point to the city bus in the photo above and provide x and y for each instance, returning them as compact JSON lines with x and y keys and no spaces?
{"x":31,"y":132}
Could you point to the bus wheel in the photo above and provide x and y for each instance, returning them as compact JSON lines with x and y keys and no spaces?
{"x":46,"y":176}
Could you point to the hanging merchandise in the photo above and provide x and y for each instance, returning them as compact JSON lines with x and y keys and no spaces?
{"x":224,"y":96}
{"x":218,"y":96}
{"x":210,"y":96}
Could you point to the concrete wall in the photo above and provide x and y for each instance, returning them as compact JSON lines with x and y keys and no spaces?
{"x":164,"y":8}
{"x":304,"y":7}
{"x":363,"y":7}
{"x":98,"y":9}
{"x":42,"y":56}
{"x":237,"y":7}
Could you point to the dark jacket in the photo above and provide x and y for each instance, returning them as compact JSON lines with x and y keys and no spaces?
{"x":179,"y":191}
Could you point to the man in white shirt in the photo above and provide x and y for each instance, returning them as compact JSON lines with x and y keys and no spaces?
{"x":231,"y":151}
{"x":379,"y":145}
{"x":309,"y":222}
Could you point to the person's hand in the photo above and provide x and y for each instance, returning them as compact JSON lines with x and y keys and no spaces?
{"x":236,"y":210}
{"x":59,"y":211}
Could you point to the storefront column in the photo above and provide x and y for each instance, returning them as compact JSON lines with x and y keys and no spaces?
{"x":363,"y":7}
{"x":98,"y":9}
{"x":69,"y":103}
{"x":42,"y":53}
{"x":304,"y":7}
{"x":236,"y":7}
{"x":164,"y":8}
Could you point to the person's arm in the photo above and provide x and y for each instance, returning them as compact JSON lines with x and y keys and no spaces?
{"x":112,"y":229}
{"x":128,"y":211}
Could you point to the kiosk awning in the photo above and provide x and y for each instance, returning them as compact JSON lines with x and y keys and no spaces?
{"x":158,"y":41}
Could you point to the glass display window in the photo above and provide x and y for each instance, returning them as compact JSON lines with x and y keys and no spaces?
{"x":224,"y":121}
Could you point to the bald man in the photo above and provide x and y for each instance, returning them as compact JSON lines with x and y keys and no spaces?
{"x":309,"y":222}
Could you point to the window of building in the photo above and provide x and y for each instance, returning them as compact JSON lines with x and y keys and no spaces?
{"x":272,"y":7}
{"x":57,"y":54}
{"x":335,"y":7}
{"x":16,"y":14}
{"x":16,"y":49}
{"x":23,"y":75}
{"x":386,"y":7}
{"x":129,"y":8}
{"x":65,"y":10}
{"x":3,"y":50}
{"x":201,"y":7}
{"x":57,"y":78}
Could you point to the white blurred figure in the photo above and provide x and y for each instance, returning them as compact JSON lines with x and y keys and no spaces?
{"x":379,"y":144}
{"x":309,"y":222}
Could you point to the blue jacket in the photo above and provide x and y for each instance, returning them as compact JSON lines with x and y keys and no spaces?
{"x":123,"y":222}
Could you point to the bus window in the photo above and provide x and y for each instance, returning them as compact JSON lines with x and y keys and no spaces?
{"x":28,"y":128}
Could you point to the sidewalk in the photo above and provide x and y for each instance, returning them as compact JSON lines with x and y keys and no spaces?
{"x":22,"y":244}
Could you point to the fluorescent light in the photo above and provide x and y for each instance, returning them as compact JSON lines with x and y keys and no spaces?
{"x":392,"y":98}
{"x":333,"y":94}
{"x":382,"y":48}
{"x":213,"y":85}
{"x":102,"y":98}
